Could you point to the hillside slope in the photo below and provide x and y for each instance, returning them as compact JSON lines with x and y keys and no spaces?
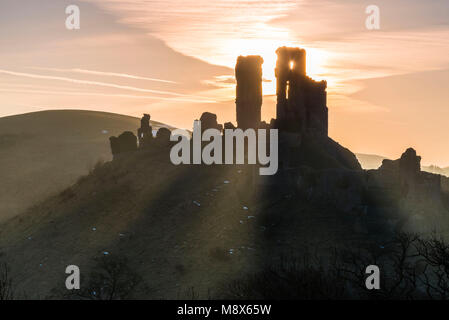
{"x":190,"y":226}
{"x":179,"y":226}
{"x":43,"y":152}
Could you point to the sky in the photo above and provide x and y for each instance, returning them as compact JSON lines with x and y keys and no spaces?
{"x":388,"y":89}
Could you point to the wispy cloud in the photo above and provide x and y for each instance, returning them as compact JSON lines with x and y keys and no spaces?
{"x":102,"y":73}
{"x":94,"y":83}
{"x":215,"y":31}
{"x":107,"y":95}
{"x":218,"y":31}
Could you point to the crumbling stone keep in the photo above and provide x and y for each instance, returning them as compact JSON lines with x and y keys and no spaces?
{"x":301,"y":101}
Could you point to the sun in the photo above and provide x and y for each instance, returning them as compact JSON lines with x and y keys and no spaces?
{"x":316,"y":61}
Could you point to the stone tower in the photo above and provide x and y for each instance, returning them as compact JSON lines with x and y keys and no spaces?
{"x":248,"y":73}
{"x":145,"y":132}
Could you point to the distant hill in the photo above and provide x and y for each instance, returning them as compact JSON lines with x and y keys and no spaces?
{"x":371,"y":161}
{"x":44,"y":152}
{"x":437,"y":170}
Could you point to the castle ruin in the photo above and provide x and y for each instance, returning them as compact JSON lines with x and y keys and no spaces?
{"x":302,"y":114}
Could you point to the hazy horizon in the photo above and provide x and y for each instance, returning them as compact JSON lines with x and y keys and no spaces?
{"x":387,"y":89}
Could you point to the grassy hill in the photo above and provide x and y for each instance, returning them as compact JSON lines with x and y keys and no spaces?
{"x":187,"y":231}
{"x":42,"y":153}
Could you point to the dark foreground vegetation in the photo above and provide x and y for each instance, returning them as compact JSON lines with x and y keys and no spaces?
{"x":411,"y":268}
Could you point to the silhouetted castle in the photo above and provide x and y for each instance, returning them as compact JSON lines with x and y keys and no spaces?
{"x":301,"y":115}
{"x":309,"y":160}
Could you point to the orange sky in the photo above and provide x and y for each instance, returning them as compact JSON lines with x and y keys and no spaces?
{"x":387,"y":89}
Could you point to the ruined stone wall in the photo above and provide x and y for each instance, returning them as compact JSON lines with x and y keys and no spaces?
{"x":415,"y":191}
{"x":124,"y":143}
{"x":316,"y":109}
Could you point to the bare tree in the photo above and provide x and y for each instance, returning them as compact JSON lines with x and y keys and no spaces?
{"x":396,"y":260}
{"x":6,"y":288}
{"x":434,"y":253}
{"x":111,"y":279}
